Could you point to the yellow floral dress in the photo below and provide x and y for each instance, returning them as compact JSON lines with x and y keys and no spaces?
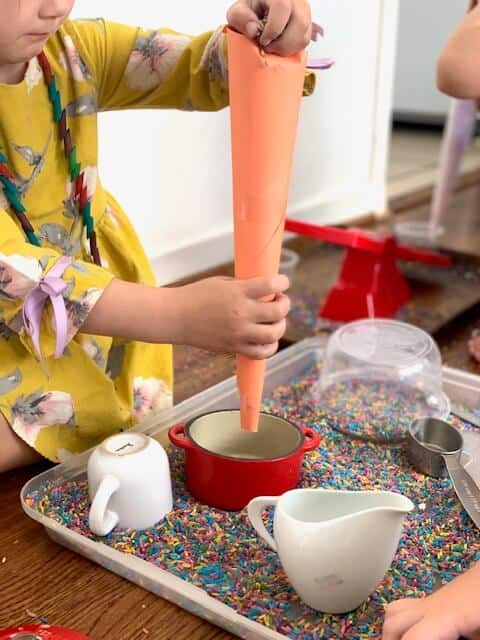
{"x":99,"y":385}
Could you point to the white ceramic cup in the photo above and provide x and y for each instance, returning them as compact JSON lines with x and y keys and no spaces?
{"x":129,"y":483}
{"x":334,"y":546}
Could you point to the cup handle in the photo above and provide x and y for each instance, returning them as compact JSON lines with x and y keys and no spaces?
{"x":254,"y":510}
{"x":178,"y":437}
{"x":311,"y":439}
{"x":101,"y":520}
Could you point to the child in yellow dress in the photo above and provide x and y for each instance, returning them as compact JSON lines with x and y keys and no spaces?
{"x":84,"y":334}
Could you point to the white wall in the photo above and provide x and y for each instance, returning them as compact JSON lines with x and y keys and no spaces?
{"x":184,"y":213}
{"x":416,"y":97}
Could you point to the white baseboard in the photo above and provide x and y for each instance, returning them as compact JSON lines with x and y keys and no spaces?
{"x":208,"y":252}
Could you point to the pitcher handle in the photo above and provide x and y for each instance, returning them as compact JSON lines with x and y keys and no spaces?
{"x":311,"y":439}
{"x":101,"y":520}
{"x":254,"y":511}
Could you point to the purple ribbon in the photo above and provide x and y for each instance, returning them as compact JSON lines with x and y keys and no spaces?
{"x":320,"y":63}
{"x":50,"y":287}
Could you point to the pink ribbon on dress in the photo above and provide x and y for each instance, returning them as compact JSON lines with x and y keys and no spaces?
{"x":50,"y":287}
{"x":320,"y":63}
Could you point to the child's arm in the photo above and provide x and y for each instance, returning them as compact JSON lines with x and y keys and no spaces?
{"x":448,"y":614}
{"x":458,"y":69}
{"x":218,"y":314}
{"x":125,"y":67}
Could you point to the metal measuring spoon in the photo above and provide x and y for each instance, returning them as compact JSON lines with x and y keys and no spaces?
{"x":435,"y":448}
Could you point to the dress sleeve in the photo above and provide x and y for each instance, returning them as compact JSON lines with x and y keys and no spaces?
{"x":41,"y":280}
{"x":159,"y":68}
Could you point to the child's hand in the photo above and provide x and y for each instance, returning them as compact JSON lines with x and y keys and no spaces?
{"x":450,"y":613}
{"x":288,"y":28}
{"x":221,"y":314}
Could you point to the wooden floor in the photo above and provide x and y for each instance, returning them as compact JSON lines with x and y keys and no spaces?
{"x":38,"y":576}
{"x":414,"y":161}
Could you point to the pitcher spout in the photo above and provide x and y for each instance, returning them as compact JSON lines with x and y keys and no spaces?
{"x":325,"y":506}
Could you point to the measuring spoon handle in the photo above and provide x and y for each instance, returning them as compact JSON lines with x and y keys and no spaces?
{"x":465,"y":487}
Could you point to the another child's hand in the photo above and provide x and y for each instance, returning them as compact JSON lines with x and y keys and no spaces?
{"x":450,"y":613}
{"x":222,"y":314}
{"x":288,"y":28}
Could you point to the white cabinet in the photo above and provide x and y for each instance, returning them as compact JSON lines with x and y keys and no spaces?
{"x":178,"y":189}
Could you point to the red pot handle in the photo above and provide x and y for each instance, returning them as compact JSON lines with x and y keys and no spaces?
{"x":312,"y":439}
{"x":178,"y":437}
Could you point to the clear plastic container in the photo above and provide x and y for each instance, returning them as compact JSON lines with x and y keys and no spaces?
{"x":391,"y":370}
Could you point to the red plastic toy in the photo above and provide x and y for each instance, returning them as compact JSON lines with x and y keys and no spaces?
{"x":370,"y":284}
{"x":40,"y":632}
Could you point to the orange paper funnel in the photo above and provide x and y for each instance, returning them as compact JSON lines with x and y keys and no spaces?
{"x":265,"y":95}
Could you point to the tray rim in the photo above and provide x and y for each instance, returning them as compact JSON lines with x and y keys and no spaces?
{"x":222,"y":615}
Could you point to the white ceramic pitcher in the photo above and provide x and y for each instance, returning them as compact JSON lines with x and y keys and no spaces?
{"x":334,"y":546}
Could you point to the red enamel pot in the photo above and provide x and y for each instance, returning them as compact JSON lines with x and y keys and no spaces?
{"x":225,"y":467}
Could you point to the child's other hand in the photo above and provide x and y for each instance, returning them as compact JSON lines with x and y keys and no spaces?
{"x":448,"y":614}
{"x":288,"y":28}
{"x":222,"y":314}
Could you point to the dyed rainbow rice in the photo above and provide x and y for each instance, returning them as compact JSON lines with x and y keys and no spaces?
{"x":221,"y":553}
{"x":375,"y":410}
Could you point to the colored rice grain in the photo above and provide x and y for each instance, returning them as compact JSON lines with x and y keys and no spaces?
{"x":373,"y":410}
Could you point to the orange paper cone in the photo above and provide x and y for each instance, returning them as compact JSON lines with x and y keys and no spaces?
{"x":265,"y":95}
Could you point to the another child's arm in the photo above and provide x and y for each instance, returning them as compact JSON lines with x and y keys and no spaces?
{"x":458,"y":65}
{"x":448,"y":614}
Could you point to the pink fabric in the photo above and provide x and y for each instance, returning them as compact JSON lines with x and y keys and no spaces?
{"x":320,"y":63}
